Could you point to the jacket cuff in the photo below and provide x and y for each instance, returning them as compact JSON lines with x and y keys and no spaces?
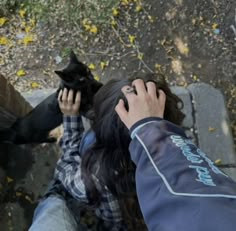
{"x":72,"y":122}
{"x":135,"y":127}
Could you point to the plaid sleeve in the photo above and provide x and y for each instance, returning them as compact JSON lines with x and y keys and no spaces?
{"x":68,"y":169}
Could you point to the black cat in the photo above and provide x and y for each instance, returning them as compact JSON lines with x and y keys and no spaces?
{"x":35,"y":126}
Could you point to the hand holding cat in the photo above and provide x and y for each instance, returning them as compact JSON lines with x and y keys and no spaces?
{"x":68,"y":104}
{"x":142,"y":105}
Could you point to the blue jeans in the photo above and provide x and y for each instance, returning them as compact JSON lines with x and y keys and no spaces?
{"x":53,"y":214}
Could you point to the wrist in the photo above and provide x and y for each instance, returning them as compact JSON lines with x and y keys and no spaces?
{"x":136,"y":126}
{"x":71,"y":121}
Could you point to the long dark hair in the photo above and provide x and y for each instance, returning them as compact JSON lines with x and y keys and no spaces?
{"x":109,"y":158}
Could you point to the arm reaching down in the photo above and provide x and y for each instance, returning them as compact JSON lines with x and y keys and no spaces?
{"x":178,"y":186}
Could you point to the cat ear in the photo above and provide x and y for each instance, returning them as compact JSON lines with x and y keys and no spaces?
{"x":62,"y":75}
{"x":73,"y":58}
{"x":59,"y":73}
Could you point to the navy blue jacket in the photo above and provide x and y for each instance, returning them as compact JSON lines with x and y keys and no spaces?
{"x":179,"y":188}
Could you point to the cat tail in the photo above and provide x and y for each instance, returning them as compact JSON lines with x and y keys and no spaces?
{"x":7,"y":136}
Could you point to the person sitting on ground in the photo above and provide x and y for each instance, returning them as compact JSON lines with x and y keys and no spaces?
{"x":96,"y":168}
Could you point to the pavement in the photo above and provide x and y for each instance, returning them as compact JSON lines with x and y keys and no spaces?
{"x":29,"y":168}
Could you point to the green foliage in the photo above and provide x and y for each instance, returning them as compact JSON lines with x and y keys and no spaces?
{"x":72,"y":11}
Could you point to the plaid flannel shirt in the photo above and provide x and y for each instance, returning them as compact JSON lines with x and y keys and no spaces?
{"x":68,"y":172}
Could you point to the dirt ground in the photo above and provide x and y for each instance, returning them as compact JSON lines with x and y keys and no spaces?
{"x":186,"y":40}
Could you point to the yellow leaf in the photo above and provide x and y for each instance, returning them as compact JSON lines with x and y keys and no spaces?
{"x":96,"y":77}
{"x":87,"y":27}
{"x":28,"y":39}
{"x":195,"y":78}
{"x":20,"y":73}
{"x":186,"y":51}
{"x":132,"y":39}
{"x":9,"y":179}
{"x":28,"y":29}
{"x":158,"y":66}
{"x":86,"y":22}
{"x":214,"y":26}
{"x":113,"y":23}
{"x":3,"y":21}
{"x":140,"y":56}
{"x":124,"y":2}
{"x":138,"y":8}
{"x":35,"y":85}
{"x":103,"y":65}
{"x":210,"y":129}
{"x":22,"y":13}
{"x":218,"y":161}
{"x":93,"y":29}
{"x":115,"y":12}
{"x":92,"y":66}
{"x":4,"y":41}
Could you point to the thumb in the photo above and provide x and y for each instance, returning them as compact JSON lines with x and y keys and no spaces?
{"x":121,"y":111}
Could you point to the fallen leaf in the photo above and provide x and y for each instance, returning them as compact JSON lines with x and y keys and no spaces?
{"x":218,"y":161}
{"x":20,"y":73}
{"x":125,"y":2}
{"x":104,"y":64}
{"x":115,"y":12}
{"x":3,"y":20}
{"x":28,"y":29}
{"x":138,"y":8}
{"x":22,"y":13}
{"x":132,"y":39}
{"x":87,"y":26}
{"x":92,"y":66}
{"x":140,"y":56}
{"x":86,"y":21}
{"x":214,"y":26}
{"x":4,"y":41}
{"x":35,"y":85}
{"x":113,"y":23}
{"x":211,"y":129}
{"x":96,"y":77}
{"x":158,"y":67}
{"x":28,"y":39}
{"x":93,"y":29}
{"x":195,"y":78}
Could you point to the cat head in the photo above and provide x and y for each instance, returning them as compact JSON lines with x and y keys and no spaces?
{"x":76,"y":75}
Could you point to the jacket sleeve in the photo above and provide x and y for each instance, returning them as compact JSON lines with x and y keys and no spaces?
{"x":176,"y":182}
{"x":68,"y":169}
